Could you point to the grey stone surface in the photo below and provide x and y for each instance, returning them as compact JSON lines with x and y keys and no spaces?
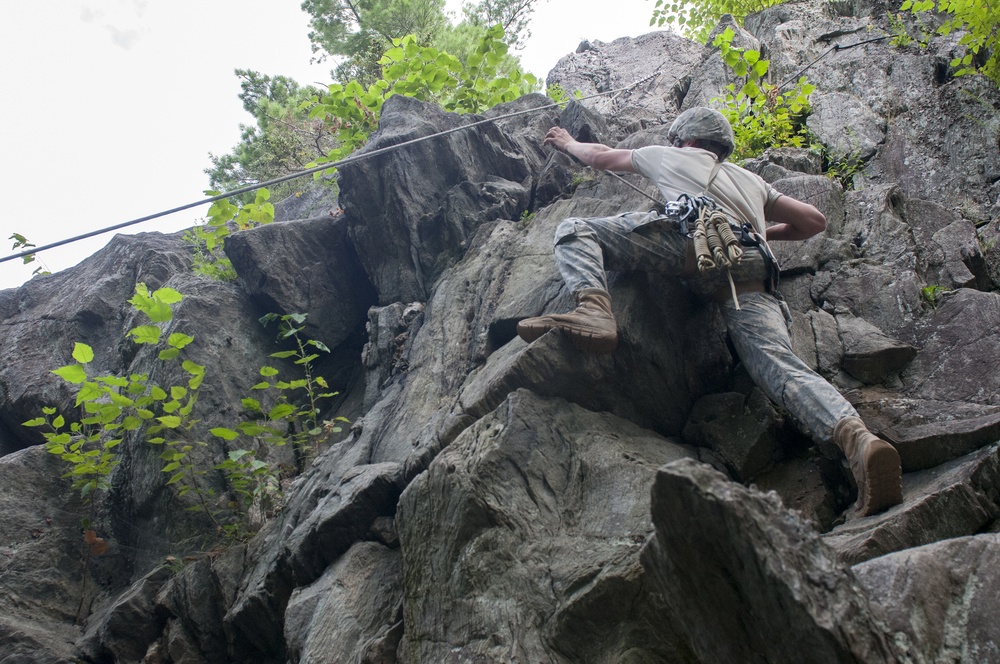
{"x":940,"y":599}
{"x":741,"y":429}
{"x":523,"y":534}
{"x":352,"y":613}
{"x":305,"y":266}
{"x":955,"y":499}
{"x":869,"y":355}
{"x":846,"y":126}
{"x":40,"y":559}
{"x":783,"y":590}
{"x":536,"y":448}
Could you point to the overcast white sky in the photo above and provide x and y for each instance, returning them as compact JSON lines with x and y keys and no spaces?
{"x":110,"y":107}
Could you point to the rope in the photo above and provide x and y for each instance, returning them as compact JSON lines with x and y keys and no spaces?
{"x":835,"y":47}
{"x":309,"y":171}
{"x":716,"y":246}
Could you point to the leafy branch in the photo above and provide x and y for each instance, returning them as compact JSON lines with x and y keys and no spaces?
{"x":979,"y":22}
{"x":761,"y":115}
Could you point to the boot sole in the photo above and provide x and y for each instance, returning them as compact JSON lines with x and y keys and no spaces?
{"x":884,"y":480}
{"x":582,"y":338}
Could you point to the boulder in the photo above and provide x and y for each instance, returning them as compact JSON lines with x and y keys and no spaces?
{"x":731,"y":561}
{"x":939,"y":598}
{"x":956,"y":499}
{"x":522,"y":539}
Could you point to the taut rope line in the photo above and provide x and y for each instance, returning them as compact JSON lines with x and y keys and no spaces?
{"x":316,"y":169}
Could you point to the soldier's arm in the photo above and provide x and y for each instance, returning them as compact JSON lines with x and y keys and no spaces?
{"x":594,"y":155}
{"x":794,"y":220}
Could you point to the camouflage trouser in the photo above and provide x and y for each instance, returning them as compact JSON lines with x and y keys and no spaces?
{"x":585,"y":248}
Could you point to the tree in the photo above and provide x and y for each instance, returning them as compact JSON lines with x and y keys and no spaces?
{"x":283,"y":141}
{"x":980,"y":22}
{"x":513,"y":16}
{"x":697,"y":18}
{"x":352,"y":27}
{"x":361,"y":30}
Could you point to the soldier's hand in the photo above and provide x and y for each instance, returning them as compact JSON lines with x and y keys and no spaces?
{"x":558,"y":138}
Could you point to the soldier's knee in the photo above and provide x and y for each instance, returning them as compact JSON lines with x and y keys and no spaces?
{"x":569,"y":229}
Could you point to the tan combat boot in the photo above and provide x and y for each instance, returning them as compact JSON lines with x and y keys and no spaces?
{"x":874,"y":463}
{"x":591,"y":326}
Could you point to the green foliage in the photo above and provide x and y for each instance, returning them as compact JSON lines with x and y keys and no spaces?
{"x":979,"y":21}
{"x":902,"y":35}
{"x":359,"y":32}
{"x":761,"y":115}
{"x":557,"y":94}
{"x":207,"y":240}
{"x":698,"y":18}
{"x":301,"y":422}
{"x":514,"y":16}
{"x":844,"y":169}
{"x":347,"y":27}
{"x":581,"y":177}
{"x":425,"y":73}
{"x":21,"y":243}
{"x":932,"y":294}
{"x":112,"y":406}
{"x":291,"y":132}
{"x":283,"y":140}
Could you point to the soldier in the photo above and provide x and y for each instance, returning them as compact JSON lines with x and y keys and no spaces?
{"x":693,"y":166}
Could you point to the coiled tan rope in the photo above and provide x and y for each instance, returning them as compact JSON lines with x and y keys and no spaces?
{"x":716,"y":245}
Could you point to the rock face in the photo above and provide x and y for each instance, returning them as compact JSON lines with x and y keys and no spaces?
{"x":496,"y":501}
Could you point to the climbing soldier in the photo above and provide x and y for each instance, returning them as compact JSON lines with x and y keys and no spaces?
{"x":687,"y":242}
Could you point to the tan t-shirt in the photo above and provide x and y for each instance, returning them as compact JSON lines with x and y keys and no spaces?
{"x":743,"y":195}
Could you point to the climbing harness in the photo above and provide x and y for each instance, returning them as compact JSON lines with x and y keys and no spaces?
{"x":718,"y":240}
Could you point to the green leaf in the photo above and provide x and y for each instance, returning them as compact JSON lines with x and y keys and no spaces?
{"x":37,"y":422}
{"x":280,"y":411}
{"x":224,"y":433}
{"x":177,"y":392}
{"x":281,"y":355}
{"x":167,"y":295}
{"x":169,"y":421}
{"x":157,"y":393}
{"x":170,"y":467}
{"x":83,"y":353}
{"x":120,"y":400}
{"x":179,"y":340}
{"x":318,"y":344}
{"x":268,"y":371}
{"x":168,"y":354}
{"x":145,"y":334}
{"x":88,"y":392}
{"x":192,"y":368}
{"x":72,"y":373}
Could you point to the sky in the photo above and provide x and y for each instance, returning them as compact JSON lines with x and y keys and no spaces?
{"x":110,"y":108}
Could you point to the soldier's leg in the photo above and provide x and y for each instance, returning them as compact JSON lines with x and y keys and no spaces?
{"x":760,"y":335}
{"x":584,"y":250}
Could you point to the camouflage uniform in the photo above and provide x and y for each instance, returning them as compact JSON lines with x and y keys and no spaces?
{"x":645,"y":241}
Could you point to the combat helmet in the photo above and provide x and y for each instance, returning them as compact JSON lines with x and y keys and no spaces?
{"x":705,"y":124}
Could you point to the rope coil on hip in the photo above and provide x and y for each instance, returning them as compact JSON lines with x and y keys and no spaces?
{"x":715,"y":244}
